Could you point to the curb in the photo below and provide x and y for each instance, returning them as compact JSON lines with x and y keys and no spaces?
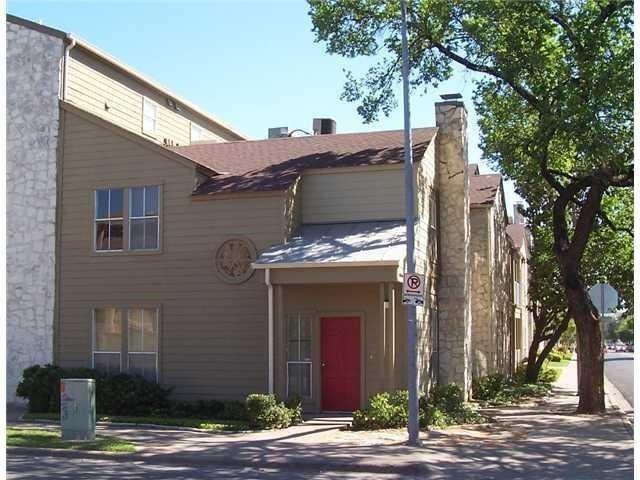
{"x":415,"y":468}
{"x":619,"y":405}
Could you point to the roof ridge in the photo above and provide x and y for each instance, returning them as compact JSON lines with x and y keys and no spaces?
{"x":326,"y":135}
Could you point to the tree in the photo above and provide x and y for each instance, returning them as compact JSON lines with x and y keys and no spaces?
{"x":610,"y":261}
{"x":625,"y":329}
{"x":555,"y":104}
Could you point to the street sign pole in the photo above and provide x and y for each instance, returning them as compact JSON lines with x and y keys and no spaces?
{"x":412,"y":369}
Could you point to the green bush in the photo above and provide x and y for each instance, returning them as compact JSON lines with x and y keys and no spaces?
{"x":383,"y":410}
{"x":115,"y":394}
{"x":547,"y":375}
{"x":443,"y":406}
{"x":555,"y":356}
{"x":265,"y":412}
{"x":489,"y":386}
{"x":294,"y":404}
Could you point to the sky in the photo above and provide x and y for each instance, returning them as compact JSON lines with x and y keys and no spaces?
{"x":252,"y":64}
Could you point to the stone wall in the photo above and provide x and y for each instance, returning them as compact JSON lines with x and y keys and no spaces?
{"x":33,"y":68}
{"x":454,"y":279}
{"x":482,"y":330}
{"x":502,"y":285}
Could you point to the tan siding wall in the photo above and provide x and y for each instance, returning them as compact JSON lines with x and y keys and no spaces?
{"x":213,"y":335}
{"x":346,"y":194}
{"x":92,"y":82}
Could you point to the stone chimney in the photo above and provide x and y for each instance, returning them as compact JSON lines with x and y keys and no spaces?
{"x":454,"y":309}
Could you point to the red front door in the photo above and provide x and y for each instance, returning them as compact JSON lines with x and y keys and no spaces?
{"x":340,"y":363}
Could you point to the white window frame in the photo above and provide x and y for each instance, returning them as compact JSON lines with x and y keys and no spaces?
{"x":302,"y":362}
{"x":108,"y":219}
{"x":309,"y":362}
{"x":196,"y":128}
{"x":157,"y":310}
{"x":149,"y":105}
{"x":93,"y":338}
{"x":144,"y":217}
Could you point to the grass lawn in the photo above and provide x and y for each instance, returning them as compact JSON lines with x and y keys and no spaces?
{"x":205,"y":424}
{"x":44,"y":438}
{"x":558,"y":366}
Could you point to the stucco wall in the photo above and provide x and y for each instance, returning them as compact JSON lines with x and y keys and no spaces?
{"x":32,"y":128}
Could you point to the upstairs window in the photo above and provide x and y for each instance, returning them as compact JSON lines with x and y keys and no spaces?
{"x":197,"y":133}
{"x":131,"y":227}
{"x":149,"y":116}
{"x":144,"y":218}
{"x":109,"y":220}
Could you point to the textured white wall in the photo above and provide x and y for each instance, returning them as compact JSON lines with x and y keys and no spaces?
{"x":33,"y":66}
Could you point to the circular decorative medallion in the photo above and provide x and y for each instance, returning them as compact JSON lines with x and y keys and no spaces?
{"x":233,"y":260}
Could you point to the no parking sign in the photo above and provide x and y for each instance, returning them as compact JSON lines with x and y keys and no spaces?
{"x":413,"y":289}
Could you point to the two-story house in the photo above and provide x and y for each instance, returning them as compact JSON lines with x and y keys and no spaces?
{"x":224,"y":266}
{"x":45,"y":67}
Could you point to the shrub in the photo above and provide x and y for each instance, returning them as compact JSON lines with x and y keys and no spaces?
{"x":555,"y":356}
{"x":115,"y":394}
{"x":547,"y":375}
{"x":294,"y":404}
{"x":265,"y":412}
{"x":489,"y":386}
{"x":383,"y":410}
{"x":442,"y":407}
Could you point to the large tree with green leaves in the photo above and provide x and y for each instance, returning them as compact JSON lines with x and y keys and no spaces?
{"x":555,"y":102}
{"x":608,"y":258}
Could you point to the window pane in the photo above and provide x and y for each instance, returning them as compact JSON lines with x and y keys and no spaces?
{"x":305,"y":329}
{"x":116,"y":203}
{"x":305,"y":350}
{"x":135,"y":330}
{"x":137,"y":234}
{"x":102,"y":204}
{"x":293,"y":328}
{"x":102,"y":235}
{"x":116,"y":235}
{"x":299,"y":379}
{"x":151,"y":233}
{"x":143,"y":364}
{"x":151,"y":196}
{"x":149,"y":333}
{"x":137,"y":197}
{"x":107,"y":330}
{"x":107,"y":362}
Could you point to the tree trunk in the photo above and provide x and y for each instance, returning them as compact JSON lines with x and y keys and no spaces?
{"x":532,"y":372}
{"x":535,"y":361}
{"x":590,"y":355}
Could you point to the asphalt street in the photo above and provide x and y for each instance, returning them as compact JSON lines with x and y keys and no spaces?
{"x":618,"y":367}
{"x":45,"y":468}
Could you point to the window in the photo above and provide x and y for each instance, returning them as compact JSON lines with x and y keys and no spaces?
{"x":144,"y":219}
{"x":138,"y":222}
{"x":517,"y":292}
{"x":107,"y":339}
{"x":138,"y":343}
{"x":108,"y":219}
{"x":433,"y":226}
{"x":142,"y":348}
{"x":299,"y":356}
{"x":149,"y":116}
{"x":197,"y":133}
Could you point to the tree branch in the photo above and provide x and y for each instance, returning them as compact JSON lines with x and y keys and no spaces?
{"x":529,"y":97}
{"x":608,"y":10}
{"x":607,"y":221}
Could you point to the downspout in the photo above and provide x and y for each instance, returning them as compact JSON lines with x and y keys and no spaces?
{"x":267,"y":279}
{"x":67,"y":49}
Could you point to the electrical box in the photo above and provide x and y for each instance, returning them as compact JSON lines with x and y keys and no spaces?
{"x":78,"y":408}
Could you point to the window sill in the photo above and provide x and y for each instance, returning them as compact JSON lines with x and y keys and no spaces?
{"x":126,"y":253}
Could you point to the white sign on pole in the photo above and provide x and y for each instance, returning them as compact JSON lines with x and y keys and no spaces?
{"x":413,"y":289}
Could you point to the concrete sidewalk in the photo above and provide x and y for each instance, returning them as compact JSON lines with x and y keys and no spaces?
{"x":541,"y":440}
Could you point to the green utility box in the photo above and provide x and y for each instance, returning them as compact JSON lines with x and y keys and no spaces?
{"x":78,"y":408}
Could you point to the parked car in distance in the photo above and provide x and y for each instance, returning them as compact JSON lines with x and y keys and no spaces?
{"x":620,"y":347}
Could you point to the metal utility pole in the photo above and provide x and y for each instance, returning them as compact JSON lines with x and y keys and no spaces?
{"x":412,"y":369}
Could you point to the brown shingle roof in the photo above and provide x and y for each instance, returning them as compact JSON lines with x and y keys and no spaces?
{"x":483,"y":189}
{"x":274,"y":164}
{"x":516,"y":233}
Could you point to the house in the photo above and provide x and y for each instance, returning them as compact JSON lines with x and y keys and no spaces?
{"x":46,"y":66}
{"x":224,"y":266}
{"x":499,"y":250}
